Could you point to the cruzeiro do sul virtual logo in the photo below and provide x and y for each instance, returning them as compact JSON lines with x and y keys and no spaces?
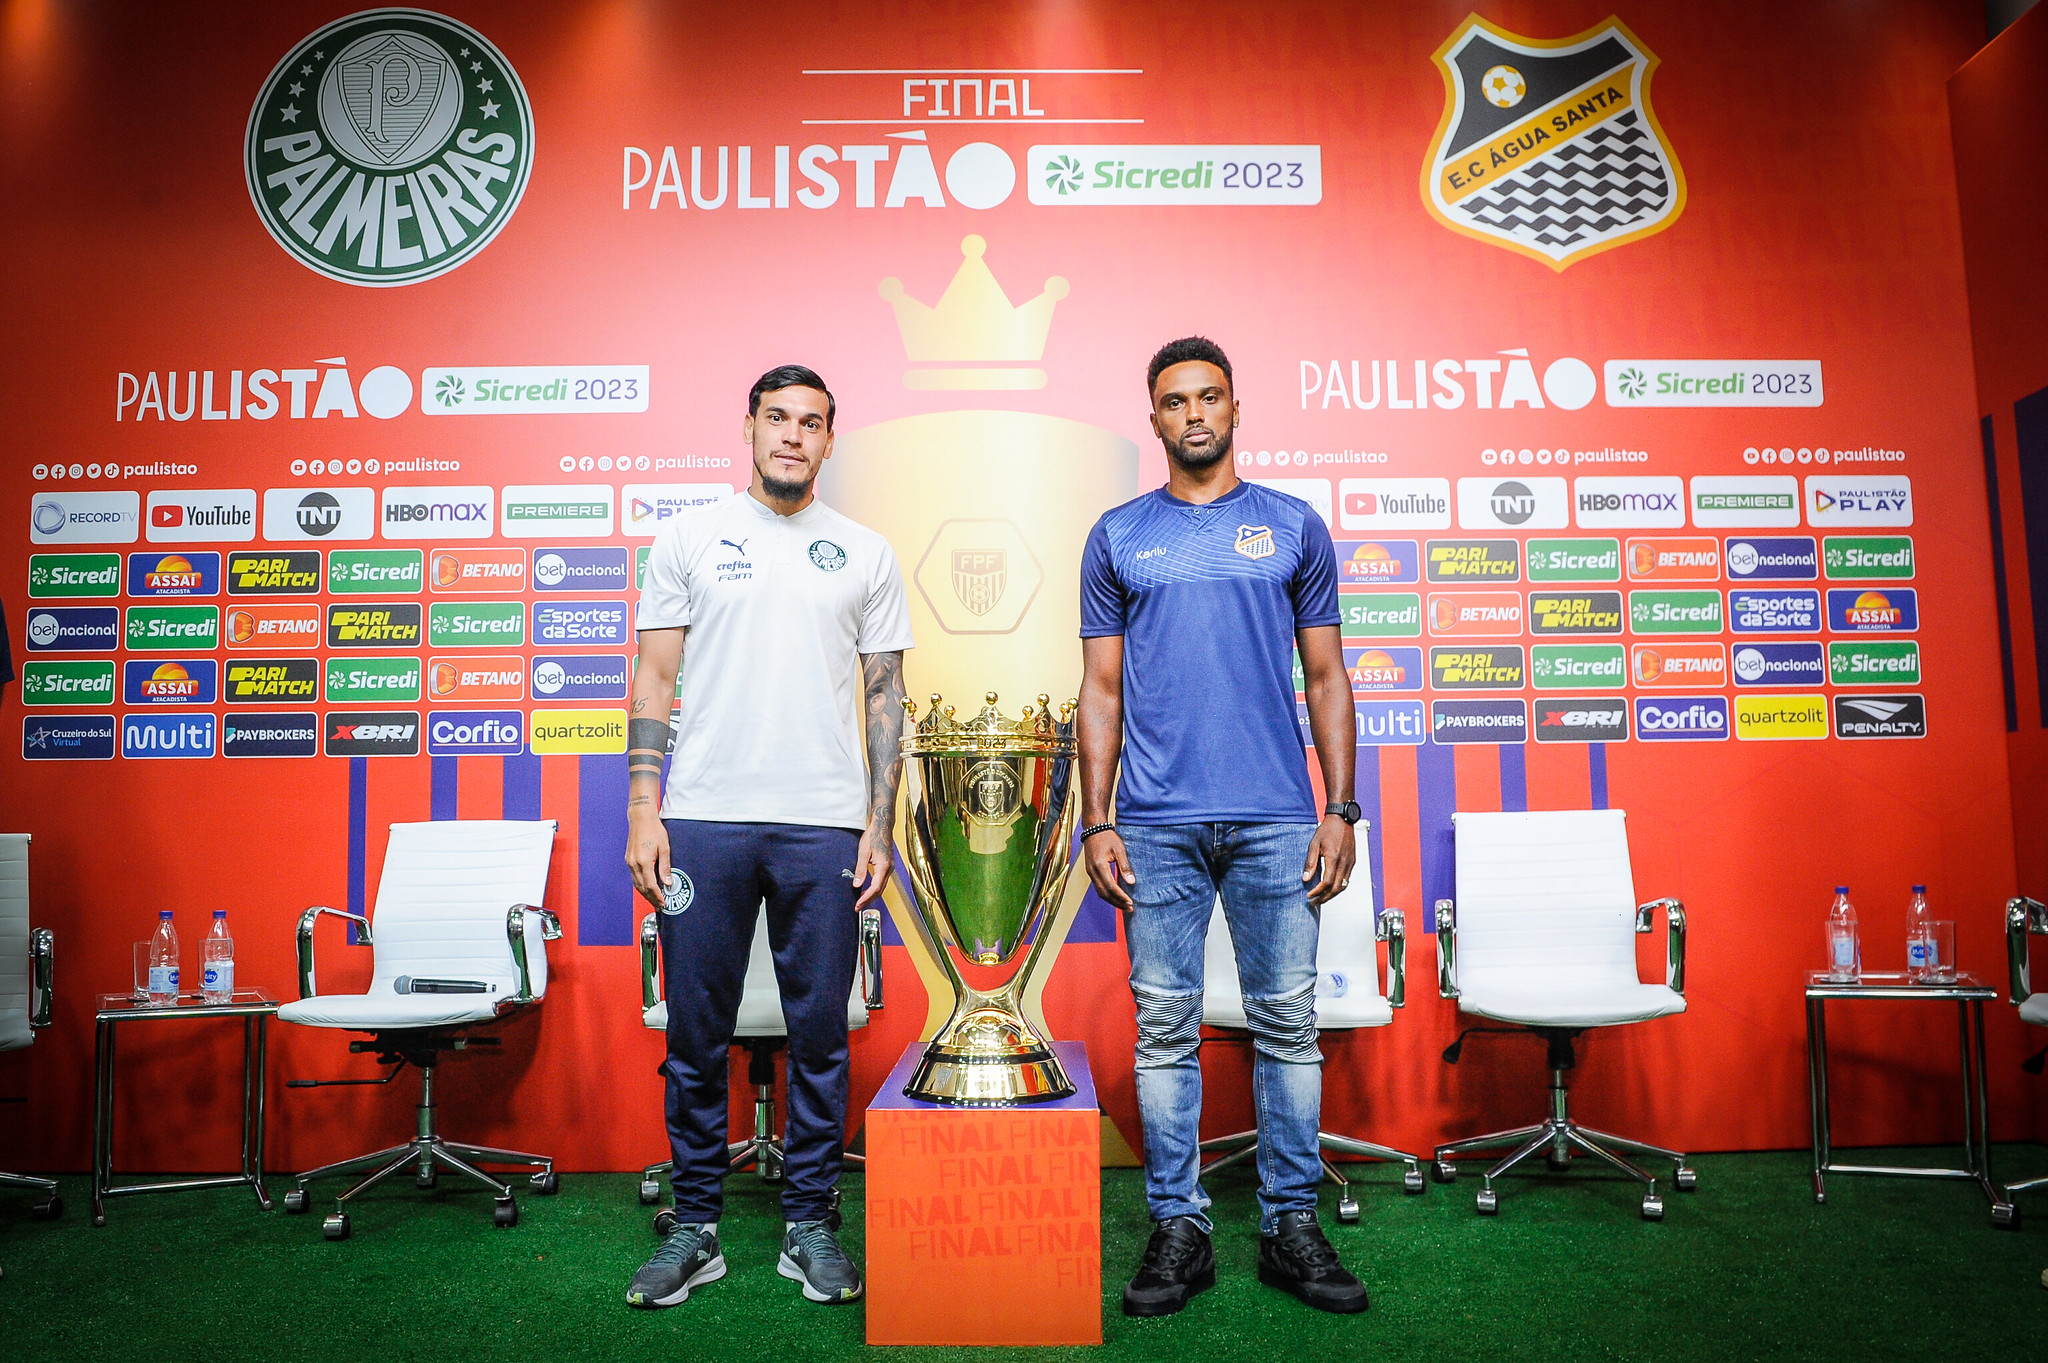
{"x":389,"y":147}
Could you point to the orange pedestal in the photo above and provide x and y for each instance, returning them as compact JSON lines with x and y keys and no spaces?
{"x":985,"y":1224}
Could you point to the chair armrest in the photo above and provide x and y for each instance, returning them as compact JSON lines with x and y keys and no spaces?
{"x":515,"y":933}
{"x":871,"y":954}
{"x":1392,"y":928}
{"x":2022,"y":916}
{"x":42,"y":949}
{"x":1674,"y":914}
{"x":650,"y":963}
{"x":1447,"y":948}
{"x":306,"y":922}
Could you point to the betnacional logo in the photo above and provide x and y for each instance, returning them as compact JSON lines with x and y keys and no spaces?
{"x":1900,"y":716}
{"x":188,"y":574}
{"x":261,"y":734}
{"x":569,"y":511}
{"x":1892,"y":610}
{"x":384,"y":624}
{"x":173,"y":627}
{"x":273,"y":626}
{"x":1791,"y":664}
{"x":1549,"y":147}
{"x":1575,"y":613}
{"x":452,"y":733}
{"x":75,"y":575}
{"x":1394,"y":503}
{"x":360,"y":681}
{"x":182,"y":681}
{"x":1478,"y":721}
{"x":1785,"y":559}
{"x":1629,"y":503}
{"x":1675,"y":612}
{"x":1366,"y":562}
{"x":1580,"y":719}
{"x":479,"y":624}
{"x":67,"y":738}
{"x":269,"y":681}
{"x":580,"y":568}
{"x":1592,"y":560}
{"x":1513,"y":504}
{"x":1788,"y":610}
{"x":1681,"y":718}
{"x":353,"y":571}
{"x":577,"y":731}
{"x":388,"y":147}
{"x":478,"y":570}
{"x":1834,"y":499}
{"x":1875,"y":662}
{"x":1384,"y":669}
{"x":502,"y":677}
{"x":168,"y":736}
{"x":71,"y":682}
{"x":207,"y":517}
{"x":646,"y":507}
{"x":73,"y":629}
{"x":1780,"y":717}
{"x":1745,"y":502}
{"x":1380,"y":615}
{"x":372,"y":733}
{"x":1566,"y":667}
{"x":1254,"y":541}
{"x":1473,"y":560}
{"x":1495,"y":668}
{"x":580,"y":676}
{"x":291,"y":572}
{"x":85,"y":518}
{"x":572,"y":624}
{"x":330,"y":513}
{"x":1681,"y":665}
{"x":1853,"y":557}
{"x":433,"y":513}
{"x":1674,"y":560}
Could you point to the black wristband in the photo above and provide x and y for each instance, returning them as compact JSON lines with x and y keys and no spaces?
{"x":1092,"y":829}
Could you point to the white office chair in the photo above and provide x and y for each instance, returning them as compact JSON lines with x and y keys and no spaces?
{"x":1347,"y":996}
{"x":2022,"y":917}
{"x":1543,"y":934}
{"x":459,"y":943}
{"x":761,"y":1029}
{"x":26,"y":958}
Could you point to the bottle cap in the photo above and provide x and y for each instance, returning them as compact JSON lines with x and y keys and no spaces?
{"x":1919,"y":889}
{"x":1841,"y":889}
{"x":164,"y":915}
{"x":220,"y":913}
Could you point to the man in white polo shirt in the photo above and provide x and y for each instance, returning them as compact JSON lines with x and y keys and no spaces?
{"x":795,"y":620}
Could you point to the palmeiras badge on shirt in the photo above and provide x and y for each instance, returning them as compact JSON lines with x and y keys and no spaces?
{"x":1550,"y":147}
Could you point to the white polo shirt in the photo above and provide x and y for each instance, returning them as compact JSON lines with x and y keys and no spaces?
{"x":778,"y":608}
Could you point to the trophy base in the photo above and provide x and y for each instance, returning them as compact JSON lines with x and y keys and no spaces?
{"x":983,"y":1079}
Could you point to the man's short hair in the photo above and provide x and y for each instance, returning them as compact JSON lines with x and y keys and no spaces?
{"x":1180,"y":352}
{"x":792,"y":376}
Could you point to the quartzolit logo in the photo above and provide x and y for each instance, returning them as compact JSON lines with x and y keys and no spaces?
{"x":389,"y":147}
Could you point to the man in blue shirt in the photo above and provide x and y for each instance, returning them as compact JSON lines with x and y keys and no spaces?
{"x":1193,"y":600}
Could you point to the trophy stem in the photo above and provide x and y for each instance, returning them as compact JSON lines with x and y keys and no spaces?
{"x":988,"y":1055}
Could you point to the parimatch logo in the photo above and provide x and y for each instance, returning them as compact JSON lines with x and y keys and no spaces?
{"x":389,"y":147}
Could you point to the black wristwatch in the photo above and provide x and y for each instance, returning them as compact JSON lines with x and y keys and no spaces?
{"x":1348,"y":810}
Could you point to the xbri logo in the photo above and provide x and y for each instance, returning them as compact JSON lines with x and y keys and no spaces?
{"x":375,"y":733}
{"x":1582,"y":719}
{"x":1880,"y":716}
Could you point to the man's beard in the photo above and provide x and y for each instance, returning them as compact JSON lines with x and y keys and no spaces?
{"x":1201,"y":461}
{"x":782,"y":491}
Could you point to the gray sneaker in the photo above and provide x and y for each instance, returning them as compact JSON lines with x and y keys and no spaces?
{"x":688,"y":1257}
{"x":811,"y":1255}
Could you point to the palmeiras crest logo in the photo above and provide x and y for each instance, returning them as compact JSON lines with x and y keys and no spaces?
{"x":1550,"y":147}
{"x":389,"y":147}
{"x":979,"y":576}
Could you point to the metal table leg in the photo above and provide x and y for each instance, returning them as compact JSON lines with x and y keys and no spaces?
{"x":102,"y":1118}
{"x":2003,"y":1212}
{"x":1817,"y":1084}
{"x":262,"y":1087}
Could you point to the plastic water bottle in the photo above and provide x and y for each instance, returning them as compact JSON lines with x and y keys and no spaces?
{"x":1845,"y":948}
{"x":163,"y":962}
{"x":1919,"y":942}
{"x":217,"y":984}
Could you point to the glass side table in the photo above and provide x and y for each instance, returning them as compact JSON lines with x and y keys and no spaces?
{"x":1968,"y":994}
{"x":255,"y":1008}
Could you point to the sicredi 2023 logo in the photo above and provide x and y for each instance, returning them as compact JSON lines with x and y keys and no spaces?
{"x":389,"y":147}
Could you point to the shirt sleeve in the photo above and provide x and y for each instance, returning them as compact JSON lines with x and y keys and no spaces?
{"x":665,"y":596}
{"x":1104,"y":606}
{"x":885,"y":614}
{"x":1315,"y":580}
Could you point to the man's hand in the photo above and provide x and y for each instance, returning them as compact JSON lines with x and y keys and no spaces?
{"x":647,"y":855}
{"x":1331,"y":854}
{"x":873,"y":864}
{"x":1109,"y":868}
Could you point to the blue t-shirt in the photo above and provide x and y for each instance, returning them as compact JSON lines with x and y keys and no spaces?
{"x":1208,"y":599}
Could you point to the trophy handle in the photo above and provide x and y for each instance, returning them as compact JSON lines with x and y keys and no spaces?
{"x":1055,"y":912}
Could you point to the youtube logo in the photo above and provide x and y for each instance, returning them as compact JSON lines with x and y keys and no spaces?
{"x":206,"y":515}
{"x":166,"y":517}
{"x":1394,"y":503}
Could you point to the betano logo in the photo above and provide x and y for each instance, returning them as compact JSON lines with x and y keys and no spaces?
{"x":1481,"y":613}
{"x":478,"y":570}
{"x":271,"y":626}
{"x":500,"y":677}
{"x":1674,"y":560}
{"x":1681,"y":665}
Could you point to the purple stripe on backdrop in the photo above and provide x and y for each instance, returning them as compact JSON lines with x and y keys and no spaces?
{"x":1514,"y":778}
{"x":522,"y":787}
{"x":1436,"y":798}
{"x":1596,"y":769}
{"x":1366,"y":788}
{"x":444,"y":776}
{"x":358,"y":836}
{"x":604,"y":891}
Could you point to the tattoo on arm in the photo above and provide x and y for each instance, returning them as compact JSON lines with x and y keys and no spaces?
{"x":647,"y":742}
{"x":882,"y":675}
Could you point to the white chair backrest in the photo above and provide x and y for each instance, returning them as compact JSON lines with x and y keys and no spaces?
{"x":1545,"y":897}
{"x":444,"y":895}
{"x":1348,"y":983}
{"x":761,"y":994}
{"x":14,"y":963}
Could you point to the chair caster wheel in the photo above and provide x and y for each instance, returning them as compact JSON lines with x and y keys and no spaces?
{"x":1347,"y":1210}
{"x":335,"y":1227}
{"x":1686,"y":1179}
{"x":295,"y":1202}
{"x":1487,"y":1202}
{"x":2006,"y":1216}
{"x":1559,"y":1164}
{"x":506,"y":1213}
{"x":1412,"y":1182}
{"x":650,"y":1193}
{"x":665,"y":1222}
{"x":99,"y":1219}
{"x":49,"y":1209}
{"x":1653,"y":1207}
{"x":426,"y":1181}
{"x":1444,"y":1171}
{"x":547,"y":1183}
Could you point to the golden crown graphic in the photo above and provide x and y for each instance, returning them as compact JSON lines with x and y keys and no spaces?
{"x":972,"y":325}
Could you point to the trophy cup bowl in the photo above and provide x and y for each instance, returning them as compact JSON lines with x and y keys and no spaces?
{"x":991,"y":827}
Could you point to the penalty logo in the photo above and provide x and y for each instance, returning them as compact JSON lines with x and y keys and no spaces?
{"x":1550,"y":147}
{"x":389,"y":147}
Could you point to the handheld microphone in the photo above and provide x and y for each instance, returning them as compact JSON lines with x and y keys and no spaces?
{"x":406,"y":984}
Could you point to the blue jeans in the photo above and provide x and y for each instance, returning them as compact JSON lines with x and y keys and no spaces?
{"x":1257,"y":868}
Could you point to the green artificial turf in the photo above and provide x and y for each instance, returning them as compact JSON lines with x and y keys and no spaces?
{"x":1745,"y":1268}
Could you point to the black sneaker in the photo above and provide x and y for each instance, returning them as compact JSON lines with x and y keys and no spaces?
{"x":687,"y":1258}
{"x":1298,"y":1259}
{"x":1178,"y":1263}
{"x":813,"y":1256}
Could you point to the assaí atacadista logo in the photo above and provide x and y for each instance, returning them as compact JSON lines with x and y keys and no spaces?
{"x":389,"y":147}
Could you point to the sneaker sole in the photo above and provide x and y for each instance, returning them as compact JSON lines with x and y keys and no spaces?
{"x":710,"y":1273}
{"x":1138,"y":1307}
{"x":1274,"y":1278}
{"x":787,"y":1267}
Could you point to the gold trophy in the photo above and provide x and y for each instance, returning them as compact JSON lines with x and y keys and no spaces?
{"x":991,"y":828}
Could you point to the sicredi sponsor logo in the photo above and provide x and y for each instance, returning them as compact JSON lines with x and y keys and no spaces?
{"x":1478,"y":721}
{"x":1628,"y":503}
{"x":1593,"y":560}
{"x":75,"y":575}
{"x":207,"y":517}
{"x":352,"y":571}
{"x":530,"y":390}
{"x":1380,"y":615}
{"x":1683,"y":718}
{"x":267,"y":681}
{"x":479,"y":624}
{"x":1781,"y":717}
{"x":1562,"y":667}
{"x":578,"y":731}
{"x":435,"y":513}
{"x":382,"y":624}
{"x":1675,"y":612}
{"x":1513,"y":504}
{"x":572,"y":676}
{"x":1790,"y":558}
{"x":1473,"y":560}
{"x":85,"y":517}
{"x":1894,"y":716}
{"x":168,"y":735}
{"x":1875,"y":662}
{"x":1673,"y":560}
{"x":174,"y":681}
{"x":1745,"y":502}
{"x":1833,"y":499}
{"x":1793,"y":610}
{"x":1867,"y":556}
{"x":1495,"y":668}
{"x":1380,"y":723}
{"x":273,"y":626}
{"x":1394,"y":503}
{"x":1083,"y":175}
{"x":372,"y":733}
{"x":268,"y":734}
{"x":581,"y":568}
{"x":648,"y":506}
{"x":292,"y":572}
{"x":67,"y":738}
{"x":67,"y":682}
{"x":1575,"y":612}
{"x":1580,"y":719}
{"x":1713,"y":383}
{"x":192,"y":573}
{"x":571,"y":510}
{"x":456,"y":732}
{"x":1384,"y":669}
{"x":1891,"y":610}
{"x":1797,"y":664}
{"x":1481,"y":613}
{"x":559,"y":623}
{"x":72,"y":629}
{"x":495,"y":677}
{"x":157,"y":628}
{"x":319,"y":513}
{"x":1368,"y":562}
{"x":477,"y":570}
{"x":356,"y":681}
{"x":1681,"y":665}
